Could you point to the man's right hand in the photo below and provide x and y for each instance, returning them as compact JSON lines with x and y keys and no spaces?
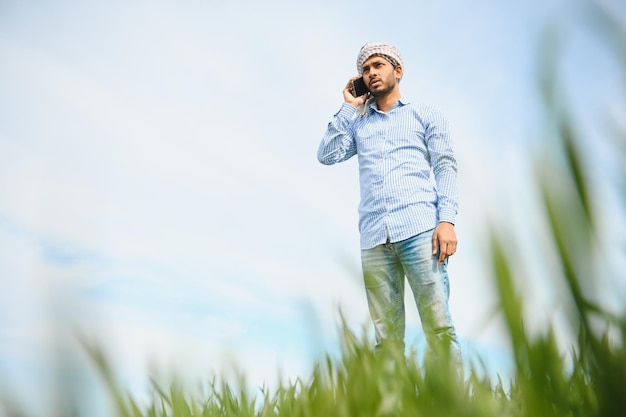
{"x":349,"y":97}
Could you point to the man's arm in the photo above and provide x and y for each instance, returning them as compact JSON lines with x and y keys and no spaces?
{"x":444,"y":168}
{"x":338,"y":143}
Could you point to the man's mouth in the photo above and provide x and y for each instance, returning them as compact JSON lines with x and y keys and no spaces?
{"x":374,"y":83}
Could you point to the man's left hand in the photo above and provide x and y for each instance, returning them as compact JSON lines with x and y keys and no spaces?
{"x":444,"y":241}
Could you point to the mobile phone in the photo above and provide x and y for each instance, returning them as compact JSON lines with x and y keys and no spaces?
{"x":359,"y":88}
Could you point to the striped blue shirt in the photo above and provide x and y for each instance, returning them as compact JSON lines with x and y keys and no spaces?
{"x":407,"y":168}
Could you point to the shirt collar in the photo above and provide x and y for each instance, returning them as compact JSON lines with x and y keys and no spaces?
{"x":401,"y":102}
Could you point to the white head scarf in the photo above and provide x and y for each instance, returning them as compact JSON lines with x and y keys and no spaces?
{"x":370,"y":49}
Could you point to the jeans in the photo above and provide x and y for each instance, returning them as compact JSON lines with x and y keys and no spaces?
{"x":384,"y":269}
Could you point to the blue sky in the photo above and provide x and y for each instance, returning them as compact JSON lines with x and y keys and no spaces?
{"x":160,"y":193}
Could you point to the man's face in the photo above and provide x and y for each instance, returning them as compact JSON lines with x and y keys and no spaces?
{"x":380,"y":76}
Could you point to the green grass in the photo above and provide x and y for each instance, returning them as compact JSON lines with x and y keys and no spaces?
{"x":362,"y":382}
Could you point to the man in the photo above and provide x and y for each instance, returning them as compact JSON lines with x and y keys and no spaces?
{"x":408,"y":177}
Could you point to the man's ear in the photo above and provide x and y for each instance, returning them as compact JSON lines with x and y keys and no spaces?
{"x":398,"y":71}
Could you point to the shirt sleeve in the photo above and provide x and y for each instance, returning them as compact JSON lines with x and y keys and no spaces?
{"x":444,"y":166}
{"x":338,"y":143}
